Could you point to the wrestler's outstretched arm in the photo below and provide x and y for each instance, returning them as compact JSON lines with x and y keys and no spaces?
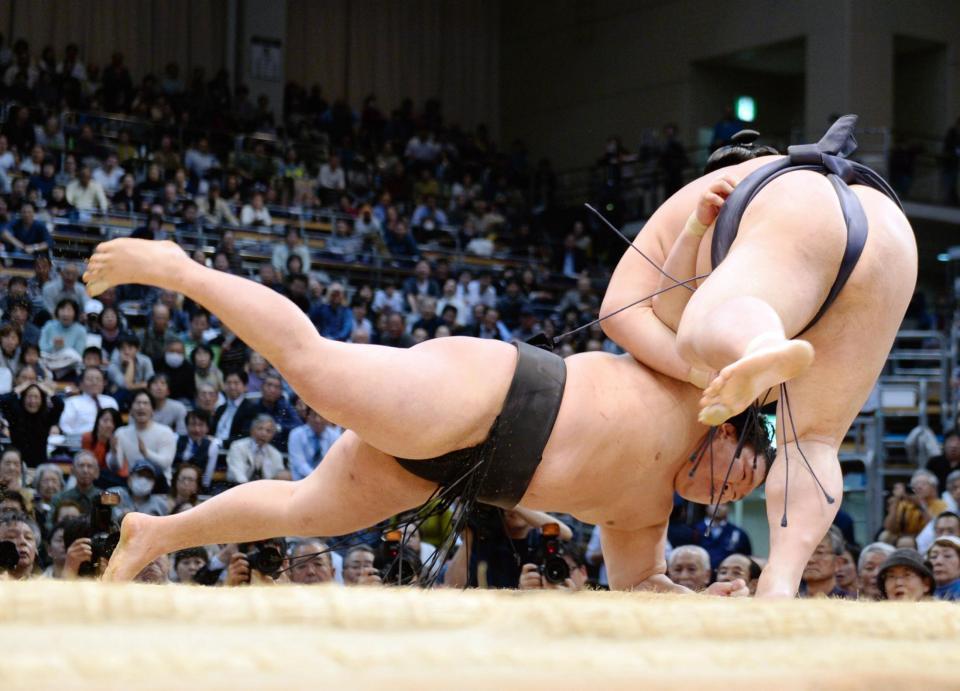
{"x":681,"y":263}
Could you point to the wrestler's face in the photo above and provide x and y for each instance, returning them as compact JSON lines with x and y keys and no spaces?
{"x":743,"y":477}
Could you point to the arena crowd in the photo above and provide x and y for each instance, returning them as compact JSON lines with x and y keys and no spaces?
{"x":420,"y":229}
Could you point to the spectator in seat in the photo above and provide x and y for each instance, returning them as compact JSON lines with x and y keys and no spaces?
{"x":871,"y":559}
{"x":197,"y":447}
{"x":86,"y":194}
{"x":27,"y":234}
{"x":204,"y":369}
{"x":427,"y":311}
{"x":358,"y":568}
{"x":946,"y":523}
{"x":254,"y":457}
{"x":166,"y":157}
{"x":66,"y":285}
{"x":185,"y":487}
{"x":213,"y":209}
{"x":127,"y":200}
{"x":31,"y":415}
{"x":255,"y":213}
{"x":169,"y":412}
{"x":739,"y":566}
{"x":689,"y":566}
{"x":292,"y":245}
{"x":949,"y":461}
{"x":232,"y":419}
{"x":529,"y":326}
{"x":80,"y":411}
{"x":199,"y":160}
{"x":396,"y":335}
{"x":400,"y":242}
{"x":944,"y":559}
{"x":157,"y":334}
{"x":428,"y":215}
{"x":847,"y":571}
{"x":85,"y":472}
{"x":109,"y":175}
{"x":909,"y":512}
{"x":820,"y":573}
{"x":187,"y":562}
{"x":129,"y":370}
{"x":332,"y":179}
{"x":724,"y":537}
{"x":178,"y":370}
{"x":905,"y":577}
{"x":333,"y":318}
{"x":273,"y":403}
{"x":420,"y":284}
{"x":21,"y":530}
{"x":310,"y":562}
{"x":19,"y":315}
{"x":101,"y":441}
{"x":309,"y":443}
{"x":137,"y":495}
{"x":144,"y":439}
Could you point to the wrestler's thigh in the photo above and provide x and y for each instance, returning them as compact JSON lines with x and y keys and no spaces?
{"x":354,"y":487}
{"x":420,"y":402}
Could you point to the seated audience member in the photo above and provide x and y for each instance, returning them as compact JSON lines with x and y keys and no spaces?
{"x":254,"y":457}
{"x":309,"y":443}
{"x":85,"y":472}
{"x":944,"y":560}
{"x":12,"y":469}
{"x":532,"y":578}
{"x":129,"y":370}
{"x":946,"y":523}
{"x":871,"y":559}
{"x":232,"y":419}
{"x":951,"y":495}
{"x":395,"y":334}
{"x":949,"y":461}
{"x":197,"y":447}
{"x":57,"y":553}
{"x":101,"y":441}
{"x":739,"y":566}
{"x":21,"y":530}
{"x":724,"y":538}
{"x":80,"y":411}
{"x":18,"y":314}
{"x":909,"y":512}
{"x":213,"y":209}
{"x":168,"y":412}
{"x":138,"y":494}
{"x":27,"y":234}
{"x":64,"y":333}
{"x":158,"y":334}
{"x":109,"y":329}
{"x":86,"y":194}
{"x":14,"y":500}
{"x":144,"y":439}
{"x":187,"y":562}
{"x":204,"y":369}
{"x":179,"y":371}
{"x":847,"y":579}
{"x":820,"y":573}
{"x":185,"y":486}
{"x":689,"y":566}
{"x":273,"y":403}
{"x":358,"y":568}
{"x":47,"y":483}
{"x":292,"y":245}
{"x":904,"y":576}
{"x":428,"y":319}
{"x":255,"y":213}
{"x":388,"y":298}
{"x":65,"y":285}
{"x":31,"y":415}
{"x":310,"y":562}
{"x":257,"y":370}
{"x":207,"y":399}
{"x":333,"y":319}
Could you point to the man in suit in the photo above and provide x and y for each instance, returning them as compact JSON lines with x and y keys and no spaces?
{"x":197,"y":446}
{"x":232,"y":420}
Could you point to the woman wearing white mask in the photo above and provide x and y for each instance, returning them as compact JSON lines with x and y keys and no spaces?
{"x":179,"y":371}
{"x":138,"y":494}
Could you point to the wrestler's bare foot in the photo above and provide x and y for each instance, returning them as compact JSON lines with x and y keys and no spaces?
{"x":127,"y":260}
{"x":134,"y":550}
{"x":770,"y":363}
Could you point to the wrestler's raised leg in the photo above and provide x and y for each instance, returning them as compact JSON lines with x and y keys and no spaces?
{"x":415,"y":403}
{"x":354,"y":487}
{"x":778,"y":272}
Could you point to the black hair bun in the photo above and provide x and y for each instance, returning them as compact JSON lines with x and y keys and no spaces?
{"x":745,"y":137}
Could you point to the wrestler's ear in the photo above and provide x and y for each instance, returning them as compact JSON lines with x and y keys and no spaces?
{"x":728,"y":432}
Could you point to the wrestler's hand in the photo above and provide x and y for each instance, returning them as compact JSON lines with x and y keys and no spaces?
{"x":709,"y":205}
{"x":734,"y":588}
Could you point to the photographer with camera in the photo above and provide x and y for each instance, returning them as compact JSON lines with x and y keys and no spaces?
{"x":19,"y":537}
{"x":89,"y":540}
{"x":549,"y":573}
{"x":496,"y":544}
{"x":358,"y":568}
{"x":258,"y":563}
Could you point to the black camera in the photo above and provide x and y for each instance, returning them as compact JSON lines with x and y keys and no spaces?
{"x":266,"y":558}
{"x":103,"y":531}
{"x":552,"y":564}
{"x":397,"y":563}
{"x":9,"y":556}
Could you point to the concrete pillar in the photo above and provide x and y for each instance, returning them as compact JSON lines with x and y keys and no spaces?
{"x":262,"y":50}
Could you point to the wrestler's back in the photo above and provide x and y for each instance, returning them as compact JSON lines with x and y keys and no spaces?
{"x":853,"y":338}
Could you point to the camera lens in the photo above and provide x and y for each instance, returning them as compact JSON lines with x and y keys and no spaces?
{"x":556,"y":570}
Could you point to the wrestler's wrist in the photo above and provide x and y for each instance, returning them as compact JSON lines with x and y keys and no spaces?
{"x":694,"y":226}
